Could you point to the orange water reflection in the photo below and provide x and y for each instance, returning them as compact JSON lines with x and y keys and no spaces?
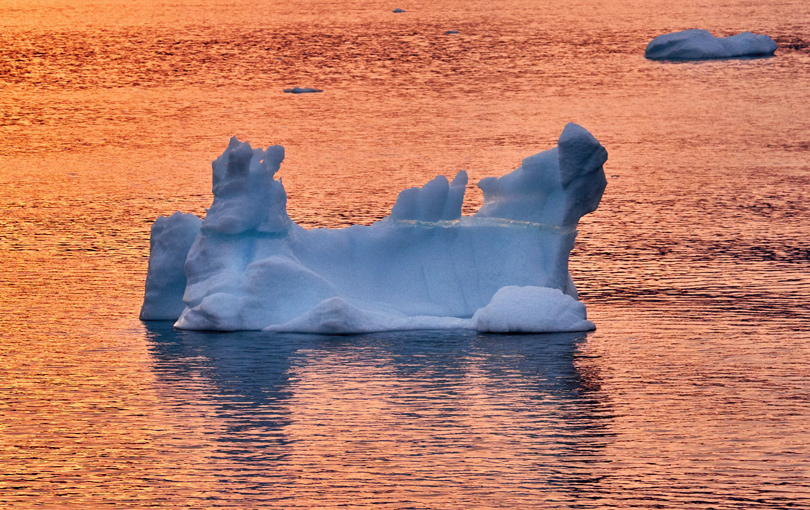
{"x":375,"y":419}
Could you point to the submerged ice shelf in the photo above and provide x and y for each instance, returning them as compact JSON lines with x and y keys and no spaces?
{"x":697,"y":44}
{"x":247,"y":266}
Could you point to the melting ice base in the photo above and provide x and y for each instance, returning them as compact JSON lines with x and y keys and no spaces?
{"x":696,"y":44}
{"x":247,"y":266}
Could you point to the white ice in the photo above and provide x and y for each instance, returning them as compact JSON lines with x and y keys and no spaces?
{"x":696,"y":44}
{"x":425,"y":266}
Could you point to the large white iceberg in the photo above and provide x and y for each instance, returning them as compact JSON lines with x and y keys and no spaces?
{"x":425,"y":266}
{"x":697,"y":44}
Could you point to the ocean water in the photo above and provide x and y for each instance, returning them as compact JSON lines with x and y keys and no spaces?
{"x":693,"y":392}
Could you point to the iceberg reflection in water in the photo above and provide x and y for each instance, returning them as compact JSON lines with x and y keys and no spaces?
{"x":359,"y":419}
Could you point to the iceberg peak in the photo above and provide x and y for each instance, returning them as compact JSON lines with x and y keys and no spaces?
{"x":438,"y":200}
{"x":555,"y":187}
{"x":243,"y":182}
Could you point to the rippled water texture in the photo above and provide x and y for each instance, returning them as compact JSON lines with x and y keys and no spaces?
{"x":694,"y":392}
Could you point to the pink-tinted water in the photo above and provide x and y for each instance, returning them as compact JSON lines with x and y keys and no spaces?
{"x":694,"y":392}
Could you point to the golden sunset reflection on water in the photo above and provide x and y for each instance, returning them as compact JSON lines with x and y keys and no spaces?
{"x":694,"y":391}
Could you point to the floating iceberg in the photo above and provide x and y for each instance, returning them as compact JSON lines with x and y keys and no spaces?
{"x":699,"y":44}
{"x":247,"y":266}
{"x":302,"y":90}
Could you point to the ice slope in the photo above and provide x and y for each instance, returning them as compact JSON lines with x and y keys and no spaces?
{"x":425,"y":266}
{"x":697,"y":44}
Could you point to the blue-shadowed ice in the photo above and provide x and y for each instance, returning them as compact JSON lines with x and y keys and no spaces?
{"x":697,"y":44}
{"x":302,"y":90}
{"x":425,"y":266}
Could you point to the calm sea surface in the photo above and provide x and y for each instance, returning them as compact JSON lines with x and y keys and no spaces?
{"x":694,"y":391}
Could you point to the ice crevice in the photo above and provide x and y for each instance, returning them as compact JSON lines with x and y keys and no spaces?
{"x":247,"y":266}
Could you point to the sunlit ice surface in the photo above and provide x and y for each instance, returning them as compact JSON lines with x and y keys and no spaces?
{"x":692,"y":392}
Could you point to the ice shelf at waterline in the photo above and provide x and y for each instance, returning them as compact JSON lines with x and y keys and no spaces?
{"x":425,"y":266}
{"x":697,"y":44}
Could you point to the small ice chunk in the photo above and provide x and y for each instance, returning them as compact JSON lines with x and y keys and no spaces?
{"x":531,"y":310}
{"x":451,"y":32}
{"x":697,"y":44}
{"x":302,"y":90}
{"x":397,"y":10}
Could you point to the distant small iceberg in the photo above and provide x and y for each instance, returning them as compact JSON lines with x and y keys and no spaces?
{"x":302,"y":90}
{"x":698,"y":44}
{"x":451,"y":32}
{"x":398,"y":10}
